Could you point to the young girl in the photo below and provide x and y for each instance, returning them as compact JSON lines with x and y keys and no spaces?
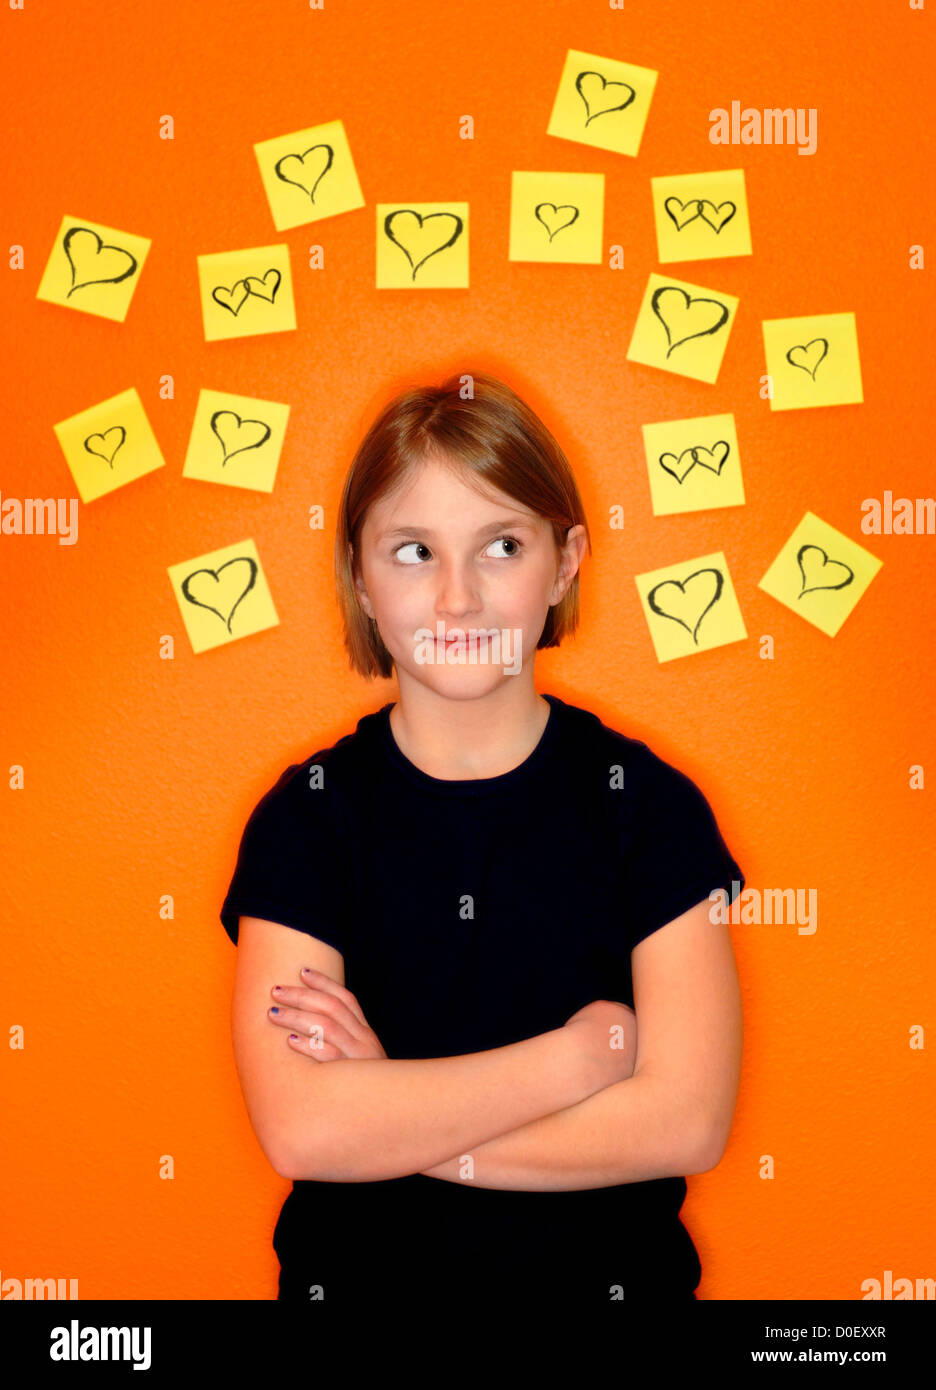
{"x":464,"y":901}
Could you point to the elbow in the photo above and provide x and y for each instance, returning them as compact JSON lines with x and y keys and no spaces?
{"x":317,"y":1160}
{"x":708,"y":1150}
{"x":289,"y":1163}
{"x":286,"y":1160}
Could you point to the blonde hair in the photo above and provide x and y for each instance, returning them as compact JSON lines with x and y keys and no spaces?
{"x":493,"y":437}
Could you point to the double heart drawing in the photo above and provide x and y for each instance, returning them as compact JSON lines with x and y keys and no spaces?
{"x":713,"y":459}
{"x":262,"y":287}
{"x":682,"y":213}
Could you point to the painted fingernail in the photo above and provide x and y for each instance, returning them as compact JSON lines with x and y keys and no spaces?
{"x":294,"y":1037}
{"x":277,"y":989}
{"x":274,"y":1009}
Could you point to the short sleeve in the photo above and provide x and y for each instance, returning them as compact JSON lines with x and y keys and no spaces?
{"x":292,"y":864}
{"x":677,"y":855}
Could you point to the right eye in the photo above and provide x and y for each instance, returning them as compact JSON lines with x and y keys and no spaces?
{"x":410,"y":545}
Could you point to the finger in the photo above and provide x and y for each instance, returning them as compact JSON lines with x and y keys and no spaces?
{"x":320,"y":1001}
{"x":317,"y":979}
{"x":326,"y":1053}
{"x":318,"y":1030}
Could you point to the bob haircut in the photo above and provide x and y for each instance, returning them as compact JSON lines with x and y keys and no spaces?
{"x":489,"y":437}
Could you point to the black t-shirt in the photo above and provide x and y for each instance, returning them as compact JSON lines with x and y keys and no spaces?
{"x":565,"y":863}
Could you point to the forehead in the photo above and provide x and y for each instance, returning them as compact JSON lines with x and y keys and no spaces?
{"x":436,"y":494}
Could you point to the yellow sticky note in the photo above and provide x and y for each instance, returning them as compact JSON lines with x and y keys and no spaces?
{"x":236,"y":440}
{"x":820,"y":573}
{"x":701,"y":217}
{"x":693,"y":465}
{"x":246,"y":292}
{"x":813,"y":361}
{"x":602,"y":102}
{"x":223,"y":596}
{"x":109,"y":445}
{"x":422,"y":246}
{"x":308,"y":175}
{"x":556,"y":217}
{"x":690,"y":607}
{"x":682,"y":328}
{"x":93,"y":268}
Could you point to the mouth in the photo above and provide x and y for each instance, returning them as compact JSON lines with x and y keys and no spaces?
{"x":460,"y":639}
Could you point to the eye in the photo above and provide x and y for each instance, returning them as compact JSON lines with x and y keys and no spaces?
{"x":409,"y":545}
{"x":509,"y":540}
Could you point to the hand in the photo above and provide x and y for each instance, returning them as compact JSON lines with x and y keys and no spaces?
{"x":326,"y":1017}
{"x":608,"y":1032}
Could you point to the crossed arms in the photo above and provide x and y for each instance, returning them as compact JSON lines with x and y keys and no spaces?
{"x":530,"y":1116}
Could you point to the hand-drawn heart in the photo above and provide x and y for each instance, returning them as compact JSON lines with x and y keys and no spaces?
{"x":679,"y":467}
{"x":715,"y":217}
{"x":811,"y":355}
{"x":105,"y":445}
{"x":600,"y":101}
{"x":419,"y":242}
{"x":542,"y":215}
{"x":236,"y":435}
{"x":93,"y":263}
{"x":233,"y":298}
{"x":700,"y":315}
{"x":813,"y":558}
{"x":206,"y":589}
{"x":672,"y":598}
{"x":304,"y":172}
{"x":712,"y":458}
{"x":266,"y":287}
{"x":682,"y":213}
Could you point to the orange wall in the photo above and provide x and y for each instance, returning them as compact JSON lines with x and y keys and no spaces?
{"x":140,"y":772}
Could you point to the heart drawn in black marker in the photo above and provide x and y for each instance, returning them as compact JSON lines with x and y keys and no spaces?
{"x":307,"y":170}
{"x":233,"y":298}
{"x":94,"y":263}
{"x":264,"y":287}
{"x":808,"y":358}
{"x":715,"y":217}
{"x":819,"y":571}
{"x":542,"y":215}
{"x":681,"y":466}
{"x":712,"y":458}
{"x":236,"y":435}
{"x":221,"y":593}
{"x":105,"y":445}
{"x":417,"y":239}
{"x":680,"y":312}
{"x":681,"y":213}
{"x":602,"y":100}
{"x":674,"y":598}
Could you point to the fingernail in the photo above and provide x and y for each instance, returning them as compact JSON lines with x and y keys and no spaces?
{"x":274,"y":1009}
{"x":294,"y":1037}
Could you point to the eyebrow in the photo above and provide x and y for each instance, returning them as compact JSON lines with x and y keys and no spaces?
{"x":517,"y":523}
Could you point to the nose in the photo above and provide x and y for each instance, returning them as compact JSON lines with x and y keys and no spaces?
{"x":457,"y":595}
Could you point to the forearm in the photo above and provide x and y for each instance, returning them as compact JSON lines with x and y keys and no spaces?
{"x":633,"y":1131}
{"x":370,"y":1120}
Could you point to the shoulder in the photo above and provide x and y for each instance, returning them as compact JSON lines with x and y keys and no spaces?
{"x":631,"y":765}
{"x":317,"y":787}
{"x":633,"y":755}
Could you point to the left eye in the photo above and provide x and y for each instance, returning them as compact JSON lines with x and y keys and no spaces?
{"x":508,"y":540}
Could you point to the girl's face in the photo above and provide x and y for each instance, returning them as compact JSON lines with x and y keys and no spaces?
{"x":441,"y":560}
